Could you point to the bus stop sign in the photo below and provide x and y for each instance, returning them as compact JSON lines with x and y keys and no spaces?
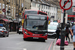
{"x":66,"y":4}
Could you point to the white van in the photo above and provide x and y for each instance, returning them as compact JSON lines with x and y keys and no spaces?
{"x":52,"y":27}
{"x":54,"y":23}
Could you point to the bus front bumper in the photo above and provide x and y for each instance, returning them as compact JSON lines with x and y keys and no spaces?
{"x":34,"y":37}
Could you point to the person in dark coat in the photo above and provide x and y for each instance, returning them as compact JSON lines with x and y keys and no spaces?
{"x":18,"y":29}
{"x":58,"y":33}
{"x":67,"y":33}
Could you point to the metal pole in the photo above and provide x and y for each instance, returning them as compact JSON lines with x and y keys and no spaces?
{"x":62,"y":33}
{"x":62,"y":30}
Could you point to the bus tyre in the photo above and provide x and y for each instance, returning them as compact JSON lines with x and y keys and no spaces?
{"x":24,"y":39}
{"x":19,"y":33}
{"x":43,"y":40}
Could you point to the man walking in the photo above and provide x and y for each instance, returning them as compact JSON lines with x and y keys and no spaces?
{"x":73,"y":34}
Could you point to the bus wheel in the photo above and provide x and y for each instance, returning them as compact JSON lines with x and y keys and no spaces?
{"x":24,"y":39}
{"x":19,"y":33}
{"x":43,"y":40}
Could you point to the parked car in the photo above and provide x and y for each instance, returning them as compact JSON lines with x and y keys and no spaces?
{"x":52,"y":30}
{"x":20,"y":30}
{"x":4,"y":32}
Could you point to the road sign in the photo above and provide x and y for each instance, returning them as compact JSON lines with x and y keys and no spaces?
{"x":73,"y":9}
{"x":3,"y":10}
{"x":66,"y":4}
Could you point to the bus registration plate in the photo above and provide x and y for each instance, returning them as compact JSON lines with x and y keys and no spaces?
{"x":35,"y":38}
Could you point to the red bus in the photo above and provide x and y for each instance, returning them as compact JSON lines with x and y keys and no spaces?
{"x":32,"y":12}
{"x":35,"y":27}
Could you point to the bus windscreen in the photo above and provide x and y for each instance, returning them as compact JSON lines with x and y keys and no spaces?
{"x":36,"y":24}
{"x":30,"y":12}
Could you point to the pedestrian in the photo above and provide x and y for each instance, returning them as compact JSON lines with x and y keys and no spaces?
{"x":58,"y":33}
{"x":73,"y":34}
{"x":67,"y":33}
{"x":70,"y":34}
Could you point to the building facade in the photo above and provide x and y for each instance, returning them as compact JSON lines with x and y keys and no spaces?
{"x":35,"y":6}
{"x":21,"y":5}
{"x":51,"y":11}
{"x":9,"y":6}
{"x":45,"y":7}
{"x":14,"y":7}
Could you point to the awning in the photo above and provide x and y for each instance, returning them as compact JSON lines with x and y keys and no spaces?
{"x":71,"y":15}
{"x":10,"y":21}
{"x":6,"y":20}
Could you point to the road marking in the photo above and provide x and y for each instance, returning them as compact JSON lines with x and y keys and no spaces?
{"x":46,"y":47}
{"x":50,"y":45}
{"x":24,"y":49}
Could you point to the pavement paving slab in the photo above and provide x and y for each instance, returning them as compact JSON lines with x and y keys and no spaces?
{"x":69,"y":47}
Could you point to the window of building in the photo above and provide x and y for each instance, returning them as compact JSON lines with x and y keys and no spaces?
{"x":44,"y":6}
{"x":3,"y":6}
{"x":0,"y":5}
{"x":14,"y":1}
{"x":6,"y":9}
{"x":9,"y":0}
{"x":51,"y":8}
{"x":33,"y":4}
{"x":38,"y":5}
{"x":48,"y":7}
{"x":12,"y":11}
{"x":22,"y":4}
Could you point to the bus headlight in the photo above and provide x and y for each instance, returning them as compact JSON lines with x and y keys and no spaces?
{"x":26,"y":33}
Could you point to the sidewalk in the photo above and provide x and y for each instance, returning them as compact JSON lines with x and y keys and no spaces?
{"x":69,"y":47}
{"x":12,"y":32}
